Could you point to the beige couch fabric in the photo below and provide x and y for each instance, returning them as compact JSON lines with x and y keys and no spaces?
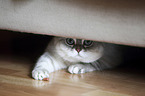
{"x":117,"y":21}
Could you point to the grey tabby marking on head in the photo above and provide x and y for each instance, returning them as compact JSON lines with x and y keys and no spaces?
{"x":78,"y":56}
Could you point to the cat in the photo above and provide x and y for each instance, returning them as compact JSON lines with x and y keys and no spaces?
{"x":77,"y":55}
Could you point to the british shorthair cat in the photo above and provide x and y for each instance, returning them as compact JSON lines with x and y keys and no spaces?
{"x":77,"y":55}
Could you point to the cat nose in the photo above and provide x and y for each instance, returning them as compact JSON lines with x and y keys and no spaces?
{"x":78,"y":49}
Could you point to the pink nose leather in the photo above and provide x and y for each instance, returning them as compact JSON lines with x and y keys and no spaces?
{"x":78,"y":50}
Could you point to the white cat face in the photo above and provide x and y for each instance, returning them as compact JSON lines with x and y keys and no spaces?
{"x":77,"y":50}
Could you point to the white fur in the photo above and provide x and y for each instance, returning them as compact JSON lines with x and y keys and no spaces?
{"x":58,"y":56}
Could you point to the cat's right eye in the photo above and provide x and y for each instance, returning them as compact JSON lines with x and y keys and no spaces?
{"x":70,"y":41}
{"x":88,"y":43}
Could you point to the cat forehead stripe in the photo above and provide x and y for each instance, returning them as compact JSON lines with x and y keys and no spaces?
{"x":78,"y":41}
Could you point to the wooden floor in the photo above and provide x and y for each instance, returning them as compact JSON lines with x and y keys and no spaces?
{"x":15,"y":80}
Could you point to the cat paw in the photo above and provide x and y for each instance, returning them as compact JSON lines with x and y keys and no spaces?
{"x":40,"y":74}
{"x":76,"y":69}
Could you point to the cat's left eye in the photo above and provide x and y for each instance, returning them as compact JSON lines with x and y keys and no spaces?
{"x":88,"y":43}
{"x":70,"y":41}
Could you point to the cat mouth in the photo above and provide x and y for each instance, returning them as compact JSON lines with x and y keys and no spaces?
{"x":78,"y":55}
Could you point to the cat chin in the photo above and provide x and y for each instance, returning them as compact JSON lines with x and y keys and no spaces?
{"x":88,"y":60}
{"x":78,"y":58}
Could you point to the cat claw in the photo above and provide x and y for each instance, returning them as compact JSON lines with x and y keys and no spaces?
{"x":76,"y":69}
{"x":40,"y":75}
{"x":45,"y":79}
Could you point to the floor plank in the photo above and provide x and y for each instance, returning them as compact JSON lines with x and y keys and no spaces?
{"x":15,"y":80}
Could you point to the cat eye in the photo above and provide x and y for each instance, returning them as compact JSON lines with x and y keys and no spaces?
{"x":70,"y":41}
{"x":88,"y":43}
